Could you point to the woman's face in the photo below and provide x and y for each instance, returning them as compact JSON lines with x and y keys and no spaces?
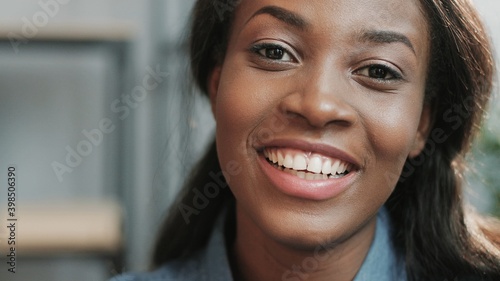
{"x":320,"y":102}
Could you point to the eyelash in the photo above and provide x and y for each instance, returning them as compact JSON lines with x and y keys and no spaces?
{"x":258,"y":48}
{"x":396,"y":75}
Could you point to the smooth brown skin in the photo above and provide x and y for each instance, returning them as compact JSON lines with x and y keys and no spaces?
{"x":324,"y":92}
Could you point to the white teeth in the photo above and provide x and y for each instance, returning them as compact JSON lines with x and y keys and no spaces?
{"x":327,"y":167}
{"x":335,"y":166}
{"x":288,"y":161}
{"x":274,"y":156}
{"x":314,"y":165}
{"x":281,"y":159}
{"x":299,"y":162}
{"x":317,"y":176}
{"x":318,"y":167}
{"x":341,"y":169}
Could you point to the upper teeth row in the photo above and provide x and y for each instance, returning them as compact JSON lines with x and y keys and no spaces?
{"x":315,"y":163}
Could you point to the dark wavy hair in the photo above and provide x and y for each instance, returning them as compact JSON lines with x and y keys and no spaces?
{"x":439,"y":237}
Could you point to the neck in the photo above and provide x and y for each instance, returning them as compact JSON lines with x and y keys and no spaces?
{"x":258,"y":257}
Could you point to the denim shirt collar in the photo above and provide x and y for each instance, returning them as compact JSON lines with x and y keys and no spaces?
{"x":214,"y":258}
{"x":382,"y":262}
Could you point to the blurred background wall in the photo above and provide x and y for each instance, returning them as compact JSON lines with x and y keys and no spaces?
{"x":97,"y":118}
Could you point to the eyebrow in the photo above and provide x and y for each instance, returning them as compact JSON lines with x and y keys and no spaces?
{"x":299,"y":22}
{"x":283,"y":15}
{"x":378,"y":36}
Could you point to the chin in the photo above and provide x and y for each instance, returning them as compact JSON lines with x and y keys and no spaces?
{"x":308,"y":232}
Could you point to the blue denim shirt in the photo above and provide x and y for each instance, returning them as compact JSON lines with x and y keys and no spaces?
{"x":211,"y":264}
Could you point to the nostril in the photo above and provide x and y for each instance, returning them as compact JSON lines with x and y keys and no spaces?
{"x":319,"y":110}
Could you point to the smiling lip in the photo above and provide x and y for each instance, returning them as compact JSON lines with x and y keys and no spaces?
{"x":321,"y":189}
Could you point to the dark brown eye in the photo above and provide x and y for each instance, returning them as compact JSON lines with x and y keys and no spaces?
{"x":274,"y":53}
{"x":378,"y":72}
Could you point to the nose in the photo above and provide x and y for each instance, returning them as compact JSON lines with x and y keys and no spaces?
{"x":321,"y":98}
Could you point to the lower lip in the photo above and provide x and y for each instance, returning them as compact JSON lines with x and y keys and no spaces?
{"x":302,"y":188}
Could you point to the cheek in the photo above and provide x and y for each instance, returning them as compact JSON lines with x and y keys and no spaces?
{"x":393,"y":130}
{"x":236,"y":102}
{"x":236,"y":114}
{"x":243,"y":101}
{"x":237,"y":111}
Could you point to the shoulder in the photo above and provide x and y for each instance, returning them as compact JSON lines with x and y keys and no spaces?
{"x":187,"y":270}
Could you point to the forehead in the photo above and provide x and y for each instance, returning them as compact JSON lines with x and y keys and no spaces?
{"x":342,"y":19}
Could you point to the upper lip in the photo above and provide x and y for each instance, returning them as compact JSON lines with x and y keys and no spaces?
{"x":314,"y":147}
